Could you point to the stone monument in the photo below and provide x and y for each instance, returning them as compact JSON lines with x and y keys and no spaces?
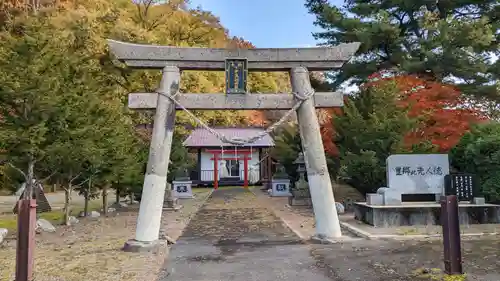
{"x":411,"y":174}
{"x":236,"y":63}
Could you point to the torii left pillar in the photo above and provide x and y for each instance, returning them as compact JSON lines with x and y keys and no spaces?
{"x":155,"y":181}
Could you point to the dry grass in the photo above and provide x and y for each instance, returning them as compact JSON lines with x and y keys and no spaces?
{"x":91,"y":250}
{"x":344,"y":191}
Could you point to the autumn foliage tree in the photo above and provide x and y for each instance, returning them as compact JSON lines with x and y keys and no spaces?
{"x":441,"y":110}
{"x":395,"y":114}
{"x":328,"y":132}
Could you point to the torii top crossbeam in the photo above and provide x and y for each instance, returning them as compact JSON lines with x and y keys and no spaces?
{"x":268,"y":59}
{"x":272,"y":59}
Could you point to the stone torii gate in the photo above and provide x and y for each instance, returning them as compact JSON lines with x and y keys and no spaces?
{"x":236,"y":63}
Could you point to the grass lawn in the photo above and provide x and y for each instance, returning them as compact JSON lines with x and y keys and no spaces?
{"x":9,"y":221}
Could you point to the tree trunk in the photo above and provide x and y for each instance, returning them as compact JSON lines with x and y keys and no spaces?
{"x":67,"y":204}
{"x":86,"y":203}
{"x":131,"y":197}
{"x":30,"y":176}
{"x":105,"y":199}
{"x":86,"y":195}
{"x":117,"y":197}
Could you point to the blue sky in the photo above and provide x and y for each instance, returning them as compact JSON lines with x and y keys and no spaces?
{"x":265,"y":23}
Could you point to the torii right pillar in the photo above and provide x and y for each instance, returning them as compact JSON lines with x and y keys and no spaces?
{"x":320,"y":185}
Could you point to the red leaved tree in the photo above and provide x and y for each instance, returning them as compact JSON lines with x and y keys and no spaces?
{"x":328,"y":131}
{"x":441,"y":109}
{"x":256,"y":118}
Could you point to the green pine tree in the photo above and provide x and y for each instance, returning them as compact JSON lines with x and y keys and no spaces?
{"x":444,"y":40}
{"x":371,"y":128}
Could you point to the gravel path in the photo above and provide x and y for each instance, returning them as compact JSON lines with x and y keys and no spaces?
{"x":234,"y":238}
{"x":378,"y":260}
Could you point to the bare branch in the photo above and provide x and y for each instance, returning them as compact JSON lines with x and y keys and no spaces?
{"x":80,"y":184}
{"x":19,"y":170}
{"x":139,"y":12}
{"x":74,"y":178}
{"x":46,"y":178}
{"x":147,"y":5}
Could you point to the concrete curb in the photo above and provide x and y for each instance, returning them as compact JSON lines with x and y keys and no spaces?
{"x":369,"y":236}
{"x":194,"y":214}
{"x":302,"y":237}
{"x":358,"y":232}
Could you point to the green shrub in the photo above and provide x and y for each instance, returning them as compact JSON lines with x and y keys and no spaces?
{"x":371,"y":128}
{"x":364,"y":171}
{"x":287,"y":148}
{"x":478,"y":152}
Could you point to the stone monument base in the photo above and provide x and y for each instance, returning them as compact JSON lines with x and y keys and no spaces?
{"x":135,"y":246}
{"x":171,"y":203}
{"x":299,"y":201}
{"x":423,"y":213}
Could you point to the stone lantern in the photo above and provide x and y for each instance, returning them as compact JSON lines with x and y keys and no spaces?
{"x":301,"y":164}
{"x":300,"y":192}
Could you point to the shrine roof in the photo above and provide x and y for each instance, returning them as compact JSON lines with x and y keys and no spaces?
{"x":203,"y":138}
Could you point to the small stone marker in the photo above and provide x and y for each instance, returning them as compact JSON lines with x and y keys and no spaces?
{"x":182,"y":189}
{"x":280,"y":188}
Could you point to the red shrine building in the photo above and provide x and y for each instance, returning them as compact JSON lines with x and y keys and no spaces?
{"x":225,"y":164}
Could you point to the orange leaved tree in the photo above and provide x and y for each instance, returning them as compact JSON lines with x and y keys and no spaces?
{"x":444,"y":115}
